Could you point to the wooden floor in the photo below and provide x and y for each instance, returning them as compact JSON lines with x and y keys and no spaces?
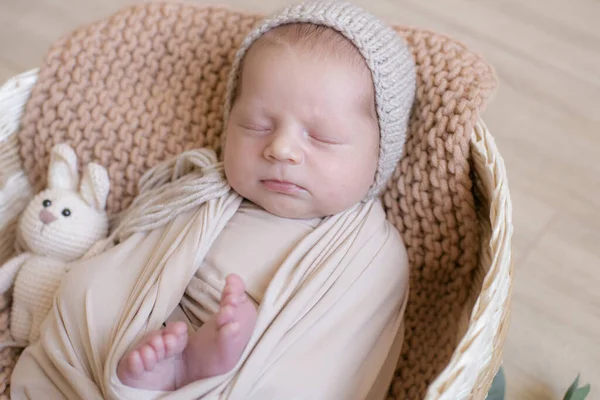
{"x":546,"y":120}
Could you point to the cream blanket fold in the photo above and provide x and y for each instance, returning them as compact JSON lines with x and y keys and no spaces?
{"x":326,"y":326}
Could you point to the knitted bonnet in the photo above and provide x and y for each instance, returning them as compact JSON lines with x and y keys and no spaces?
{"x":387,"y":57}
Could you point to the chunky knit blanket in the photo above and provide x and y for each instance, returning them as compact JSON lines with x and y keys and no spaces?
{"x":149,"y":82}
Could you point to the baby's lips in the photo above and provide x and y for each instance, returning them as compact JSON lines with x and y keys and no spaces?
{"x":282,"y":186}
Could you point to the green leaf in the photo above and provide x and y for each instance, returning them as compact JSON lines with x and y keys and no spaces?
{"x":581,"y":393}
{"x":575,"y":392}
{"x":571,"y":389}
{"x":498,"y":386}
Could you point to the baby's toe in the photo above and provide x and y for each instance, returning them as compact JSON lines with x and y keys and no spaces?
{"x":230,"y":330}
{"x":225,"y":315}
{"x":148,"y":356}
{"x":158,"y":345}
{"x":134,"y":365}
{"x":234,"y":284}
{"x":174,"y":344}
{"x":175,"y":328}
{"x":232,"y":299}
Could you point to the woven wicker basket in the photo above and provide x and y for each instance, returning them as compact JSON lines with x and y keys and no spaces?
{"x":477,"y":356}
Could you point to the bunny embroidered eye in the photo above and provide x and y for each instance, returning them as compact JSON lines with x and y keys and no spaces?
{"x":66,"y":212}
{"x":46,"y":203}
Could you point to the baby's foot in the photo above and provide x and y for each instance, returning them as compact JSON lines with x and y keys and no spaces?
{"x":218,"y":345}
{"x":168,"y":359}
{"x":156,"y":362}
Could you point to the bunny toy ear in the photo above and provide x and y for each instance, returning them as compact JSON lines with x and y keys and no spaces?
{"x":62,"y":171}
{"x":95,"y":185}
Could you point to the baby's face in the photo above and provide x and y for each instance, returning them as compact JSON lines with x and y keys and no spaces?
{"x":302,"y":138}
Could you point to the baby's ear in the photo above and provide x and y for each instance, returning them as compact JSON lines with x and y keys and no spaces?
{"x":95,"y":186}
{"x":62,"y":171}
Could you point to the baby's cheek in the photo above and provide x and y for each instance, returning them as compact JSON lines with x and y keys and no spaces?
{"x":239,"y":175}
{"x":352,"y":183}
{"x":339,"y":185}
{"x":358,"y":173}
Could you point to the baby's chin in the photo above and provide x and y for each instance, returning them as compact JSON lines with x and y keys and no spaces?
{"x":295,"y":208}
{"x":288,"y":208}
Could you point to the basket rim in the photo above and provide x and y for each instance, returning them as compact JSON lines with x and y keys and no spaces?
{"x":491,"y":312}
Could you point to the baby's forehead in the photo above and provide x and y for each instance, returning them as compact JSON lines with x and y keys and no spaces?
{"x":317,"y":40}
{"x":317,"y":45}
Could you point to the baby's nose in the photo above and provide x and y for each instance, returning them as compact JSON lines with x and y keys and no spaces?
{"x":284,"y":148}
{"x":47,"y":217}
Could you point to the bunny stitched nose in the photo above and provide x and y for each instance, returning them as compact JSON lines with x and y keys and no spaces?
{"x":47,"y":217}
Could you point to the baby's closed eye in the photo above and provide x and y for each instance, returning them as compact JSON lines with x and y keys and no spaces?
{"x":323,"y":138}
{"x":255,"y":127}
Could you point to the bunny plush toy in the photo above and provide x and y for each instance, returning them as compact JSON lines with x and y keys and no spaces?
{"x":59,"y":225}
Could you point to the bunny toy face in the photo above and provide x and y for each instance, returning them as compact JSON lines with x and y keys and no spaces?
{"x":67,"y":218}
{"x":60,"y":224}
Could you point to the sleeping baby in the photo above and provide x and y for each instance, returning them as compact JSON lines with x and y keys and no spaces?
{"x":285,"y":280}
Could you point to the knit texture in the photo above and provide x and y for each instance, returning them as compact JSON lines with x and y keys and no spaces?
{"x":150,"y":82}
{"x":386,"y":55}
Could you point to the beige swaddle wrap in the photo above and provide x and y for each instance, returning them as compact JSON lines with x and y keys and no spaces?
{"x":326,"y":324}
